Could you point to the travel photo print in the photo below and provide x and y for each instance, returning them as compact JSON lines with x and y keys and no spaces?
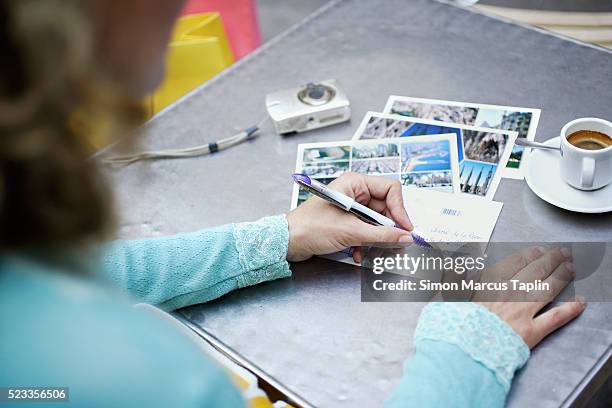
{"x":524,"y":121}
{"x":482,"y":152}
{"x":430,"y":162}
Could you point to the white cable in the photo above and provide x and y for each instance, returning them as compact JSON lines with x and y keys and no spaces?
{"x":194,"y":151}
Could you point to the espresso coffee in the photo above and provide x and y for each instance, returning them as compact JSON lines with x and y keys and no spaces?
{"x":590,"y":140}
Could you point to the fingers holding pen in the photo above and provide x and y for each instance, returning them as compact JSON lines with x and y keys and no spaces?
{"x":383,"y":195}
{"x":380,"y":194}
{"x":362,"y":232}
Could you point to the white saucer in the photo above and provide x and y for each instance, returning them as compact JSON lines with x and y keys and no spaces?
{"x":543,"y":175}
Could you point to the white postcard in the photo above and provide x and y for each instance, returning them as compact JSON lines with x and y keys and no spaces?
{"x":482,"y":152}
{"x":460,"y":219}
{"x":428,"y":162}
{"x":522,"y":120}
{"x":445,"y":220}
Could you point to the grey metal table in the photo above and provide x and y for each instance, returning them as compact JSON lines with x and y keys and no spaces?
{"x":319,"y":339}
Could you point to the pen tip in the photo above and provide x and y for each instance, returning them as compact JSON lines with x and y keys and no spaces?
{"x":300,"y":178}
{"x":419,"y":240}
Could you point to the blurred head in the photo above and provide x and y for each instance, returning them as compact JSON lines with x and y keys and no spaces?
{"x":69,"y":68}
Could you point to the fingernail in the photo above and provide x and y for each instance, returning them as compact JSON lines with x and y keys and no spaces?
{"x":566,"y":253}
{"x":581,"y":300}
{"x":570,"y":268}
{"x":405,"y":239}
{"x":541,"y":249}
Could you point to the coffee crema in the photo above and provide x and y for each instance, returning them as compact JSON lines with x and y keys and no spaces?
{"x":590,"y":140}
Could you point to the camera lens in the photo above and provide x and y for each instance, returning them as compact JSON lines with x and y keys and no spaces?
{"x":316,"y":94}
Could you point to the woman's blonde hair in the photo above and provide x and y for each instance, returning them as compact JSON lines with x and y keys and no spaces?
{"x":52,"y":94}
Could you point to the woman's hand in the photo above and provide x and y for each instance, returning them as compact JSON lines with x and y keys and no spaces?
{"x":519,"y":309}
{"x":317,"y":227}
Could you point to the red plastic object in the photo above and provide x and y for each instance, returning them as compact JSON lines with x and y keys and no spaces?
{"x":239,"y":19}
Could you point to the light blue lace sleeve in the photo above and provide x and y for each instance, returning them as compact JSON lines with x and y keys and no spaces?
{"x":478,"y":332}
{"x":262,"y":249}
{"x":464,"y":356}
{"x":185,"y":269}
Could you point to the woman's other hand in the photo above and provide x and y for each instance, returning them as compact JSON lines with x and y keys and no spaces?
{"x":317,"y":227}
{"x":553,"y":266}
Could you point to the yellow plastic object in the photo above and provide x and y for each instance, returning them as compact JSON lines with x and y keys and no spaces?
{"x":198,"y":50}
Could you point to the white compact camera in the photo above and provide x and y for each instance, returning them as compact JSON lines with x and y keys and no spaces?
{"x":308,"y":107}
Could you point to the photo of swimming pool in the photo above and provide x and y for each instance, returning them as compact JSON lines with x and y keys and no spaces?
{"x":426,"y":156}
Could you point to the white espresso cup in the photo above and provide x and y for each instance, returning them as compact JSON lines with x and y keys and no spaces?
{"x":581,"y":168}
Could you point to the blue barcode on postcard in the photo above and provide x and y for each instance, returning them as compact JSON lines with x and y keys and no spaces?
{"x":451,"y":211}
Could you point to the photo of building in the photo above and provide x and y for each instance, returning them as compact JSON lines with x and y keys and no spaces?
{"x":476,"y":177}
{"x":443,"y":113}
{"x":384,"y":128}
{"x":516,"y":121}
{"x":483,"y":146}
{"x":369,"y":151}
{"x":521,"y":120}
{"x":326,"y":169}
{"x":376,"y":166}
{"x":439,"y":180}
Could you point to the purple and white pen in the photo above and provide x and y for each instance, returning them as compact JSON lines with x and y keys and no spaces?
{"x":349,"y":204}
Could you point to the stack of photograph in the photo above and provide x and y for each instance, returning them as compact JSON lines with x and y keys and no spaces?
{"x":411,"y":142}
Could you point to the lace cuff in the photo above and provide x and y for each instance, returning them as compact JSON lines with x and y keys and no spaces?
{"x":262,"y":249}
{"x":478,"y":332}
